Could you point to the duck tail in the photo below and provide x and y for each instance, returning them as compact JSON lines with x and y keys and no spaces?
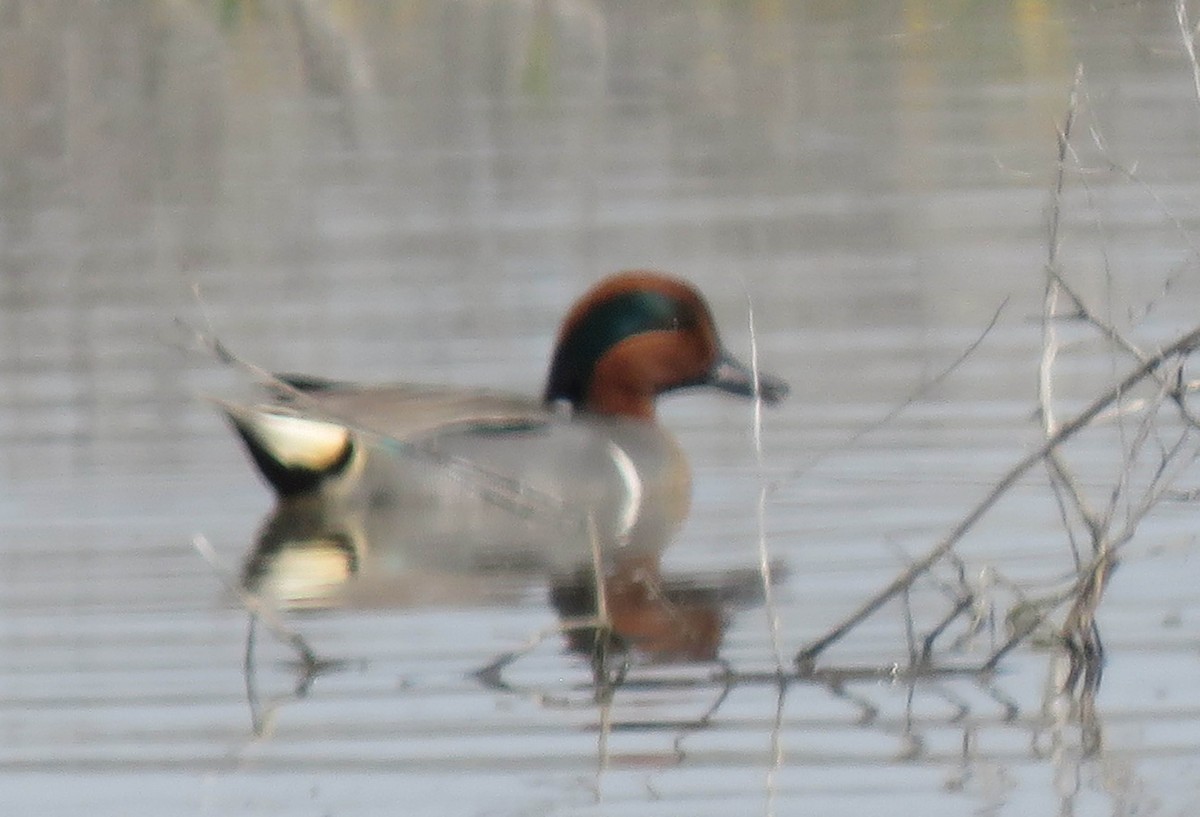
{"x":295,"y":454}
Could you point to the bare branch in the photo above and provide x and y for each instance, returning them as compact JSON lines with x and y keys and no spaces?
{"x":1182,"y":345}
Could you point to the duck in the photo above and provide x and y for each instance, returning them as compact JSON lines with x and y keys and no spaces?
{"x":472,"y":479}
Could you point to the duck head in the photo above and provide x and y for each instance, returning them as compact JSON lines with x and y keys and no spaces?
{"x":636,"y":335}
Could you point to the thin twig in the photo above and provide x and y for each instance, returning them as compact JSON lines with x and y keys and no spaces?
{"x":1133,"y":450}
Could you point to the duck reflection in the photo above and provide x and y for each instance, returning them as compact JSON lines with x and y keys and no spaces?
{"x":665,"y":620}
{"x":313,"y":553}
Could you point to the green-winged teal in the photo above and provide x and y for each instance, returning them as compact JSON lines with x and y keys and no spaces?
{"x":458,"y":469}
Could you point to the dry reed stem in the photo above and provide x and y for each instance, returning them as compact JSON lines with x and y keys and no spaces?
{"x":764,"y":555}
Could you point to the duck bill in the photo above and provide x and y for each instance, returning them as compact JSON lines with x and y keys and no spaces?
{"x":735,"y":377}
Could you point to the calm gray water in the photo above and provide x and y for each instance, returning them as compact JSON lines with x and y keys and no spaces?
{"x":418,"y":190}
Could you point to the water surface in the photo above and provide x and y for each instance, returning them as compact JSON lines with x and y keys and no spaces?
{"x":417,"y":191}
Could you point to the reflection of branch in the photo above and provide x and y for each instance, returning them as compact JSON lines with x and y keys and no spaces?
{"x":262,"y":717}
{"x":705,"y":720}
{"x":772,"y":781}
{"x":1072,"y":726}
{"x":309,"y":661}
{"x":310,"y":665}
{"x":1182,"y":345}
{"x":851,"y":685}
{"x":869,"y":712}
{"x":491,"y":674}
